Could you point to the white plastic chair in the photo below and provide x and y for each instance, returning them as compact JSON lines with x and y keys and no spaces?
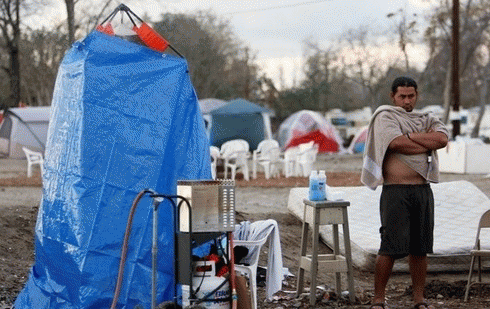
{"x":477,"y":253}
{"x":305,"y":159}
{"x":33,"y":157}
{"x":233,"y":146}
{"x":235,"y":155}
{"x":244,"y":144}
{"x":237,"y":160}
{"x":214,"y":152}
{"x":271,"y":163}
{"x":267,"y":155}
{"x":250,"y":270}
{"x":289,"y":161}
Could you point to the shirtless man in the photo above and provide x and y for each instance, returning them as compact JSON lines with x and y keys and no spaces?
{"x":406,"y":203}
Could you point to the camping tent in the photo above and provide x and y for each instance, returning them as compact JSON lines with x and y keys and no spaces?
{"x":208,"y":105}
{"x":359,"y":141}
{"x":24,"y":126}
{"x":240,"y":119}
{"x":305,"y":126}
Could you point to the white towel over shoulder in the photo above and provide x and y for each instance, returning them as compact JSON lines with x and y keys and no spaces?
{"x":387,"y":123}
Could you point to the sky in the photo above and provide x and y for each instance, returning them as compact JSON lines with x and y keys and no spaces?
{"x":276,"y":29}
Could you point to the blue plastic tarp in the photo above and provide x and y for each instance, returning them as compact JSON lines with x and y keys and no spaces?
{"x":124,"y":118}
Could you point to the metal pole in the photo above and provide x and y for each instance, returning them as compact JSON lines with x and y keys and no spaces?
{"x":455,"y":66}
{"x":154,"y":252}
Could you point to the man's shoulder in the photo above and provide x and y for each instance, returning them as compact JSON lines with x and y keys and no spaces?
{"x":383,"y":108}
{"x":384,"y":112}
{"x":387,"y":110}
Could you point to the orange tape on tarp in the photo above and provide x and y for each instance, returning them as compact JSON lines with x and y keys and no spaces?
{"x":150,"y":37}
{"x":107,"y":29}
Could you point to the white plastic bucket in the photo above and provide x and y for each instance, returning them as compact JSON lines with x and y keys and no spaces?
{"x":221,"y":298}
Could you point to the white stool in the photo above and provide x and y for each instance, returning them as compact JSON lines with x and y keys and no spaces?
{"x":321,"y":213}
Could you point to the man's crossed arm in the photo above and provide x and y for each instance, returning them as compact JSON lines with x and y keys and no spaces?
{"x":419,"y":142}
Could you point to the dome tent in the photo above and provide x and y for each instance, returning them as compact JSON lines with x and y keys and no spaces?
{"x":359,"y":141}
{"x":210,"y":104}
{"x":306,"y":125}
{"x":240,"y":119}
{"x":24,"y":126}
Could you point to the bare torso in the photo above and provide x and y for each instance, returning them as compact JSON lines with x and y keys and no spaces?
{"x":397,"y":172}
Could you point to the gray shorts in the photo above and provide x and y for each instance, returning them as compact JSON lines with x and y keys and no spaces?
{"x":407,"y":220}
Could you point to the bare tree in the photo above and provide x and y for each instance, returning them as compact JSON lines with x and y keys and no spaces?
{"x":475,"y":20}
{"x":89,"y":16}
{"x":220,"y":66}
{"x":361,"y":64}
{"x":70,"y":18}
{"x":10,"y":26}
{"x":317,"y":73}
{"x":42,"y":51}
{"x":405,"y":28}
{"x":483,"y":59}
{"x":11,"y":13}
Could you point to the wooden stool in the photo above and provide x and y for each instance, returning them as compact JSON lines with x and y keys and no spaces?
{"x":321,"y":213}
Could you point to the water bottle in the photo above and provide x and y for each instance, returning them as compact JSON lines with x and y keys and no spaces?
{"x":322,"y":185}
{"x":313,"y":191}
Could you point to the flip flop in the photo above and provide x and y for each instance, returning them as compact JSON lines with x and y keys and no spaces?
{"x":423,"y":305}
{"x":379,"y":306}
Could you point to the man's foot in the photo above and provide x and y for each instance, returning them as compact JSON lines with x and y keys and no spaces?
{"x":423,"y":305}
{"x":379,"y":306}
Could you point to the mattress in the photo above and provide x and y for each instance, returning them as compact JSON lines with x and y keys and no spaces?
{"x":458,"y":208}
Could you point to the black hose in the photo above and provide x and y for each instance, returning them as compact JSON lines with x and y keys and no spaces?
{"x":124,"y":250}
{"x":205,"y":297}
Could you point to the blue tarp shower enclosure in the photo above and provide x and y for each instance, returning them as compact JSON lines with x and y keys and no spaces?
{"x":124,"y":118}
{"x":240,"y":119}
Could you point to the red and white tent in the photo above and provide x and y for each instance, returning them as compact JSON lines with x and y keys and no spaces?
{"x":359,"y":141}
{"x":305,"y":126}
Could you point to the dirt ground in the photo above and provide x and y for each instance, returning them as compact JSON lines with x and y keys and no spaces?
{"x":257,"y":199}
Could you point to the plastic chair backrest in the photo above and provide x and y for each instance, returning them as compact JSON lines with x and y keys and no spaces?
{"x":305,"y":146}
{"x":254,"y":247}
{"x":241,"y":157}
{"x":244,"y":143}
{"x":291,"y":153}
{"x":233,"y":146}
{"x":267,"y":144}
{"x":274,"y":154}
{"x":33,"y":157}
{"x":214,"y":151}
{"x":250,"y":244}
{"x":264,"y":147}
{"x":307,"y":152}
